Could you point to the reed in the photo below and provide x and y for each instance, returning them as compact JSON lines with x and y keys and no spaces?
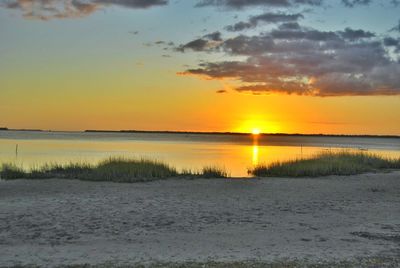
{"x":112,"y":169}
{"x":327,"y":163}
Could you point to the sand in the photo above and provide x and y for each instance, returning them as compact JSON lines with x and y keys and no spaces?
{"x":65,"y":222}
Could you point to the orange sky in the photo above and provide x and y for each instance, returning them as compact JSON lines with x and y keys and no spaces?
{"x":122,"y":68}
{"x":200,"y":110}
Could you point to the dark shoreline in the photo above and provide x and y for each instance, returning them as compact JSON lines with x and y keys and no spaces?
{"x":207,"y":133}
{"x":241,"y":133}
{"x":211,"y":133}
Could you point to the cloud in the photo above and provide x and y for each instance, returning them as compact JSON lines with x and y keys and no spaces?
{"x":392,"y":42}
{"x":266,"y":18}
{"x":238,"y":4}
{"x":297,"y":60}
{"x":396,"y":28}
{"x":351,"y":34}
{"x":56,"y":9}
{"x":134,"y":3}
{"x":196,"y":45}
{"x":215,"y":36}
{"x":352,"y":3}
{"x":207,"y":42}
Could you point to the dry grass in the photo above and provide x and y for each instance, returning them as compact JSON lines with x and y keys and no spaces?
{"x":112,"y":169}
{"x":327,"y":163}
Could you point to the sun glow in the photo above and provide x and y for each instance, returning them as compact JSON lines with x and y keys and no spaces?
{"x":257,"y":125}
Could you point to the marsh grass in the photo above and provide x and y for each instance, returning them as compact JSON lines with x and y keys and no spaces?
{"x":213,"y":172}
{"x":12,"y":171}
{"x":113,"y":169}
{"x":327,"y":163}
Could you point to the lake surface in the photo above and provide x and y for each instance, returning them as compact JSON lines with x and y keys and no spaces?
{"x":235,"y":153}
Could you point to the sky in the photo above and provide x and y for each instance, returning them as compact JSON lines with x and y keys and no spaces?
{"x":280,"y":66}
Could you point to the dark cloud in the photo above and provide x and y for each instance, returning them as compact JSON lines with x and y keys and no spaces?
{"x":221,"y":91}
{"x":395,"y":2}
{"x":266,"y":18}
{"x":352,"y":3}
{"x":297,"y":60}
{"x":215,"y":36}
{"x":196,"y":45}
{"x":134,"y":3}
{"x":51,"y":9}
{"x":248,"y":45}
{"x":290,"y":26}
{"x":207,"y":42}
{"x":392,"y":42}
{"x":307,"y":34}
{"x":356,"y":34}
{"x":239,"y":26}
{"x":238,"y":4}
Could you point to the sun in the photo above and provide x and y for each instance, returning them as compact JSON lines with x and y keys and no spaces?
{"x":255,"y":131}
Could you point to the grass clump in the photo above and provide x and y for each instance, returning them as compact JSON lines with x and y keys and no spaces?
{"x":12,"y":171}
{"x":327,"y":163}
{"x":213,"y":172}
{"x":125,"y":170}
{"x":112,"y":169}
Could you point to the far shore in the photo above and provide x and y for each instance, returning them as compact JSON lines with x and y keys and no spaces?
{"x":331,"y":221}
{"x":210,"y":133}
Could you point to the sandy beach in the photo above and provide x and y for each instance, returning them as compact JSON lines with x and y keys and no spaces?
{"x":332,"y":219}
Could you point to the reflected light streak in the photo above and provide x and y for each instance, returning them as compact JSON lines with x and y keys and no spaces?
{"x":255,"y":150}
{"x":255,"y":155}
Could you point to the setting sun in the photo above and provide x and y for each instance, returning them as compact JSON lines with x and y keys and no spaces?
{"x":256,"y":131}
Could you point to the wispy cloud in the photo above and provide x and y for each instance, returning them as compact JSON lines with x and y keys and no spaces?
{"x":57,"y":9}
{"x":207,"y":42}
{"x":238,"y":4}
{"x":352,"y":3}
{"x":268,"y":17}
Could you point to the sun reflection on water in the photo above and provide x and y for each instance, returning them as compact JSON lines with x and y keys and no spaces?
{"x":255,"y":148}
{"x":255,"y":155}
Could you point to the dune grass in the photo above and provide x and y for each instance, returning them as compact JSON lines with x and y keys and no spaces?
{"x":141,"y":170}
{"x":112,"y":169}
{"x":327,"y":163}
{"x":213,"y":172}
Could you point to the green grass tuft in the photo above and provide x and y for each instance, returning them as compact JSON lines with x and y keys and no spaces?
{"x":125,"y":170}
{"x":327,"y":163}
{"x":112,"y":169}
{"x":213,"y":172}
{"x":12,"y":171}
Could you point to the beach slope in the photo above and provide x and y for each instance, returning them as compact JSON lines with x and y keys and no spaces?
{"x":330,"y":219}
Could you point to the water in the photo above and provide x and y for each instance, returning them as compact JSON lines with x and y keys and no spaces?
{"x":235,"y":153}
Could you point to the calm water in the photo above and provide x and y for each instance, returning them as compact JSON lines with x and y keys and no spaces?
{"x":235,"y":153}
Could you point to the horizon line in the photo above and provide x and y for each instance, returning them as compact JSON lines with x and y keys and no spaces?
{"x":202,"y":132}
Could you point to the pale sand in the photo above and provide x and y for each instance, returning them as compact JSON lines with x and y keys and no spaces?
{"x":63,"y":222}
